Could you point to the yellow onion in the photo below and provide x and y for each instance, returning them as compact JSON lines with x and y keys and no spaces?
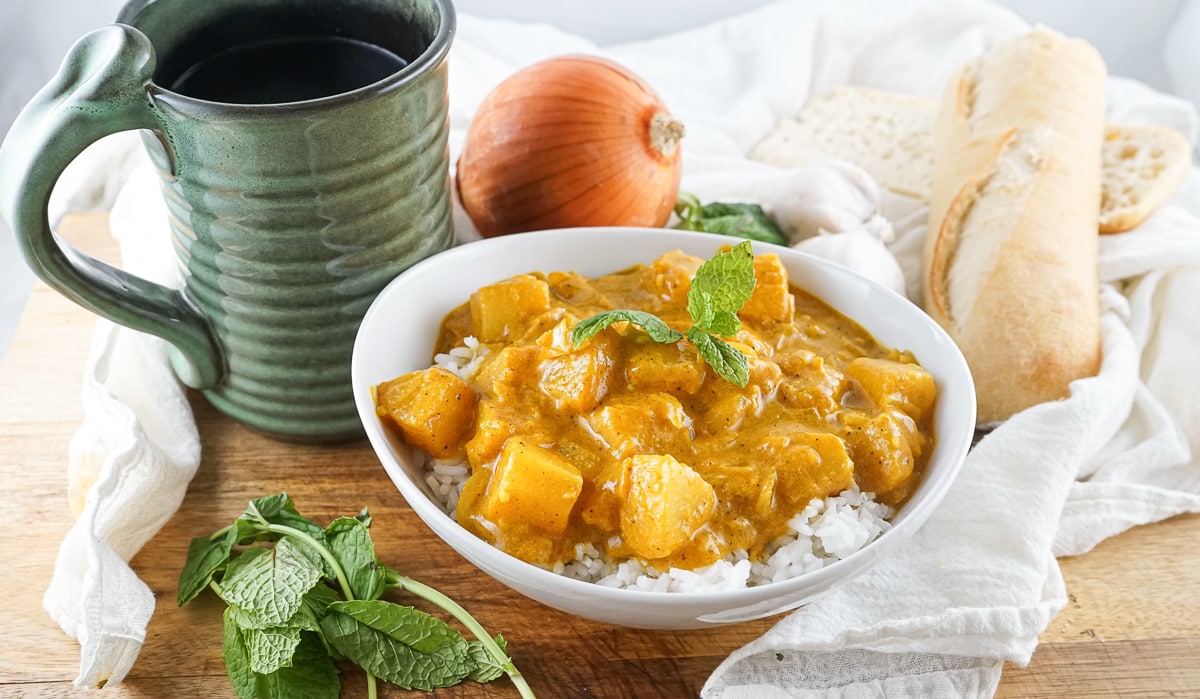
{"x":570,"y":141}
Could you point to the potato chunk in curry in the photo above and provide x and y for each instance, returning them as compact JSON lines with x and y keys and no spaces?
{"x":638,"y":448}
{"x":665,"y":504}
{"x":531,"y":486}
{"x":434,"y":410}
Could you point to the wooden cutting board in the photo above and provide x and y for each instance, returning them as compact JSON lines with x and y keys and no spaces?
{"x":1132,"y":627}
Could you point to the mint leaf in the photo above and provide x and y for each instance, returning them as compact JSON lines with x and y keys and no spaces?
{"x":270,"y":649}
{"x":402,"y":645}
{"x":727,"y":361}
{"x":739,"y":220}
{"x":486,"y":667}
{"x":311,"y":674}
{"x":350,"y":543}
{"x":279,"y":509}
{"x":205,"y":558}
{"x":720,"y":287}
{"x":313,"y":608}
{"x":700,"y":307}
{"x":658,"y":331}
{"x":269,"y":506}
{"x":723,"y":324}
{"x":270,"y":583}
{"x":245,"y":619}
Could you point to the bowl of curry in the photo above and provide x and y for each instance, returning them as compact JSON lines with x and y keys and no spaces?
{"x":628,"y":476}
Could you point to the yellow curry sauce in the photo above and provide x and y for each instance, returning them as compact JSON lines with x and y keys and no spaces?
{"x":637,"y":447}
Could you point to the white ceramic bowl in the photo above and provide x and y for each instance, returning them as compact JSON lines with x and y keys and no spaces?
{"x":399,"y":330}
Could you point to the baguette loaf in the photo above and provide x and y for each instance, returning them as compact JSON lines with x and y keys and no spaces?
{"x":1009,"y":265}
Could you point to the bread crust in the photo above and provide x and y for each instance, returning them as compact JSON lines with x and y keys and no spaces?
{"x":1009,"y":265}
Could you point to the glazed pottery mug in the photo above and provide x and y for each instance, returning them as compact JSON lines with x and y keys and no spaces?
{"x":302,"y":147}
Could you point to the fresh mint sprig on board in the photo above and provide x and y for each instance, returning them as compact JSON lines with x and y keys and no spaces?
{"x":720,"y":287}
{"x":301,"y":596}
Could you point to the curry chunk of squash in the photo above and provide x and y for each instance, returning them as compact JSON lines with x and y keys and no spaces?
{"x":726,"y":412}
{"x":607,"y":492}
{"x":734,"y":477}
{"x":669,"y":278}
{"x":499,"y":310}
{"x":809,"y":465}
{"x":576,"y":381}
{"x":494,"y":425}
{"x":647,"y":424}
{"x":496,"y":422}
{"x":812,"y":384}
{"x":907,"y":387}
{"x":531,"y":486}
{"x":433,"y":409}
{"x":502,"y":374}
{"x":883,"y":447}
{"x":575,"y":289}
{"x":772,"y":301}
{"x":674,"y":368}
{"x":666,"y":503}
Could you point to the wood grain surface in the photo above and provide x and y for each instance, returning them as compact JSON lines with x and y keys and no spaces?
{"x":1132,"y":628}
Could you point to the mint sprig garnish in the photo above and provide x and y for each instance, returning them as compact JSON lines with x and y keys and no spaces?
{"x":301,"y":596}
{"x":720,"y":287}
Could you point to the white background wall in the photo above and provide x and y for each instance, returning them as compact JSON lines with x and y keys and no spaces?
{"x":1156,"y":41}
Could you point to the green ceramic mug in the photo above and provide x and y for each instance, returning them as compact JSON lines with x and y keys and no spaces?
{"x":302,"y":148}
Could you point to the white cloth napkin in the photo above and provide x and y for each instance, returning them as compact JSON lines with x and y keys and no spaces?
{"x":980,"y":581}
{"x":131,"y":459}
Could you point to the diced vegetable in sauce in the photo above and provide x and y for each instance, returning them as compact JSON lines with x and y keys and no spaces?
{"x":433,"y":409}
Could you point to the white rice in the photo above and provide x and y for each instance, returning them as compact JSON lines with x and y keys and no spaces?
{"x":827,"y":530}
{"x":463,"y":360}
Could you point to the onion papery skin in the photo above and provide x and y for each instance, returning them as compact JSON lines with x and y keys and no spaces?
{"x":568,"y":142}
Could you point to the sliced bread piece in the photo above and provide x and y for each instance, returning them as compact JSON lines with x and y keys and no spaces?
{"x":888,"y":134}
{"x":1143,"y":166}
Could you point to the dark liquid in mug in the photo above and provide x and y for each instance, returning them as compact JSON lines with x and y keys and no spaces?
{"x":287,"y":69}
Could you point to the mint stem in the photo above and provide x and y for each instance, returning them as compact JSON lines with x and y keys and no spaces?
{"x":687,"y":208}
{"x":464,"y":617}
{"x":343,"y":582}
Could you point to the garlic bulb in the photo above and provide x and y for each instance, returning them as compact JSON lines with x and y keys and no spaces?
{"x":859,"y":251}
{"x":830,"y":196}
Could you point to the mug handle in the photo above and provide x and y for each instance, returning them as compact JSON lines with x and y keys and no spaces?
{"x":101,"y":88}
